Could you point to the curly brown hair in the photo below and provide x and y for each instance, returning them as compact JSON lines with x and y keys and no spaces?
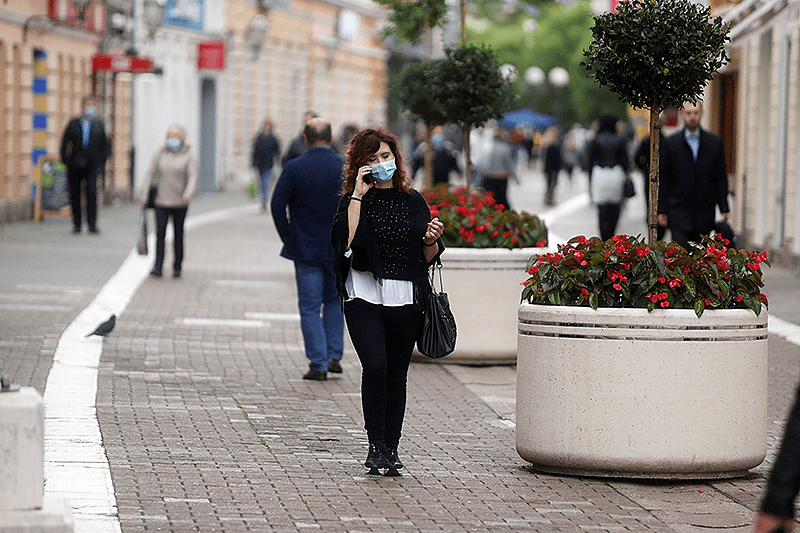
{"x":363,"y":145}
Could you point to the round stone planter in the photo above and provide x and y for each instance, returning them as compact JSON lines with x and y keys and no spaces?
{"x":627,"y":393}
{"x":483,"y":285}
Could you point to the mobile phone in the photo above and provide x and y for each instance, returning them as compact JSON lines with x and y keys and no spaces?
{"x":367,"y":179}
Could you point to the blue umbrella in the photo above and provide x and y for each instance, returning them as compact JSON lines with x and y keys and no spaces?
{"x":526,"y":117}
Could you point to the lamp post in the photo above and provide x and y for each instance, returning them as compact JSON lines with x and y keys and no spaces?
{"x":558,"y":78}
{"x":534,"y":78}
{"x":153,"y":11}
{"x":256,"y":33}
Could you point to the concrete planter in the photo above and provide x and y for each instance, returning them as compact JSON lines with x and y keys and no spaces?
{"x":627,"y":393}
{"x":484,"y":289}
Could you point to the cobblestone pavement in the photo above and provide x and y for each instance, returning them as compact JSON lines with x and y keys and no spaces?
{"x":207,"y":425}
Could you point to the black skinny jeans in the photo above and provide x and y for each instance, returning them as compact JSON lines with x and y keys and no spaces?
{"x":384,"y":339}
{"x":178,"y":215}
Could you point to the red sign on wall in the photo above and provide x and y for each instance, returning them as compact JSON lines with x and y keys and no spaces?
{"x":211,"y":55}
{"x":121,"y":63}
{"x":65,"y":12}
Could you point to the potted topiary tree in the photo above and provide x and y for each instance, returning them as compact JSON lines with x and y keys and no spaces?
{"x":655,"y":54}
{"x":466,"y":87}
{"x":630,"y":355}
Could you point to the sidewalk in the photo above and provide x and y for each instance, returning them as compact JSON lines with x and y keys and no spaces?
{"x":206,"y":425}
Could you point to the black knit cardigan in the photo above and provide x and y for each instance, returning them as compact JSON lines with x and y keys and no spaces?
{"x":368,"y":241}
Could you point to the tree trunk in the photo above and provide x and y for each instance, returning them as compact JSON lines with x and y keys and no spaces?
{"x":464,"y":21}
{"x":653,"y":178}
{"x":467,"y":158}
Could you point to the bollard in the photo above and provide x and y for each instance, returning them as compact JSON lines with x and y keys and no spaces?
{"x":21,"y":447}
{"x":23,"y":504}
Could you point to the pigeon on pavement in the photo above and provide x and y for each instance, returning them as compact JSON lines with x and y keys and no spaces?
{"x":105,"y":327}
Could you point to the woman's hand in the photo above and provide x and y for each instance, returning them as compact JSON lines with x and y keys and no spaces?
{"x":434,"y":230}
{"x":360,"y":188}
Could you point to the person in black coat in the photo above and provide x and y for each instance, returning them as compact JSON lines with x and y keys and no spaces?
{"x":297,"y":146}
{"x":265,"y":149}
{"x":84,"y":150}
{"x":309,"y":189}
{"x":693,"y":180}
{"x":777,"y":507}
{"x":607,"y":157}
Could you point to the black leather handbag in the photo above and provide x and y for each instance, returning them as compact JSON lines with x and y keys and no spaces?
{"x":437,"y":336}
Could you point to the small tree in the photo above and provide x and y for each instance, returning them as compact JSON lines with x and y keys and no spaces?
{"x":418,"y":91}
{"x":654,"y":54}
{"x":472,"y":90}
{"x":413,"y":19}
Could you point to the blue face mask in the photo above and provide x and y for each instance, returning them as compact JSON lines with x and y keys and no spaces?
{"x":174,"y":144}
{"x":437,"y":139}
{"x":383,"y":172}
{"x":90,"y":112}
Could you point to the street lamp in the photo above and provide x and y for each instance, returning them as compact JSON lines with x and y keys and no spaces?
{"x":256,"y":33}
{"x":508,"y":71}
{"x":153,"y":11}
{"x":558,"y":78}
{"x":534,"y":78}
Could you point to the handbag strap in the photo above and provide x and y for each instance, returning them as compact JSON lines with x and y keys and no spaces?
{"x":434,"y":268}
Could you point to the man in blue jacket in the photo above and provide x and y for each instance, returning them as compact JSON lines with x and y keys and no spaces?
{"x":309,"y":189}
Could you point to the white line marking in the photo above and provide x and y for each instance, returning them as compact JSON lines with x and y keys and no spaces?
{"x":83,"y":476}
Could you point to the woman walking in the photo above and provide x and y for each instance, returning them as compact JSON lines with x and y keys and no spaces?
{"x":174,"y":172}
{"x":384,"y":240}
{"x":608,"y":166}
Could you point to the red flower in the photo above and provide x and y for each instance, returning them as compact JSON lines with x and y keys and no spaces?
{"x":675,"y":283}
{"x":617,"y":286}
{"x":665,"y":303}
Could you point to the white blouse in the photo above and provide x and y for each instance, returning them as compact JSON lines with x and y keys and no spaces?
{"x":389,"y":292}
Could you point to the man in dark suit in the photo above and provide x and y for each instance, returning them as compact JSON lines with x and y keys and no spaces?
{"x":309,"y":189}
{"x":298,"y":145}
{"x":84,"y":150}
{"x":693,"y":180}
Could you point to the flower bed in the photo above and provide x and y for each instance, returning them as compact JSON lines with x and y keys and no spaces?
{"x":475,"y":220}
{"x":626,"y":272}
{"x":484,"y":284}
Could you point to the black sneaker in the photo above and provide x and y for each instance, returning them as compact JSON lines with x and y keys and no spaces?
{"x":376,"y":457}
{"x":334,"y":366}
{"x":393,"y":461}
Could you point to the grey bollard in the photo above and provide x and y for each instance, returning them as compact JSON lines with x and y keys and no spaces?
{"x":21,"y":448}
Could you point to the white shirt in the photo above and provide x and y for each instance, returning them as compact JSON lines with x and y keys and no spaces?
{"x":389,"y":292}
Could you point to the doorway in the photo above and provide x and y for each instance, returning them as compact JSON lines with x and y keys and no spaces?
{"x":207,"y":181}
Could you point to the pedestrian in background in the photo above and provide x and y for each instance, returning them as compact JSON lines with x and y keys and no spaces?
{"x":497,"y":166}
{"x":552,"y":162}
{"x":84,"y":150}
{"x":384,"y":241}
{"x":777,"y":507}
{"x":298,"y":145}
{"x":174,"y":171}
{"x":694,"y":181}
{"x":265,"y":149}
{"x":444,"y":159}
{"x":607,"y":158}
{"x":309,"y":190}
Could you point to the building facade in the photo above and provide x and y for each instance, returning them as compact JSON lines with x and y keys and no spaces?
{"x":219,"y":68}
{"x":756,"y":103}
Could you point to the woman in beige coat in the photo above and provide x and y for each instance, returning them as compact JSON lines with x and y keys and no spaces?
{"x":174,"y":171}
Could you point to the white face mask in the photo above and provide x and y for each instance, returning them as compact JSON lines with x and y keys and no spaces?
{"x":383,"y":172}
